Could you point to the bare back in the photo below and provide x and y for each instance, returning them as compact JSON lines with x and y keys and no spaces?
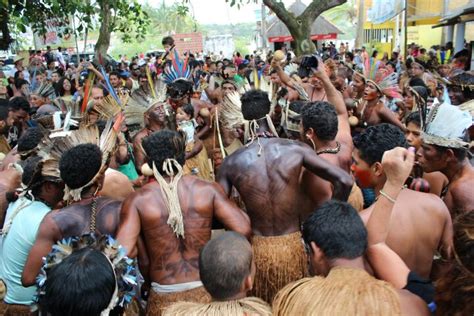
{"x":174,"y":259}
{"x":420,"y":226}
{"x":269,"y":184}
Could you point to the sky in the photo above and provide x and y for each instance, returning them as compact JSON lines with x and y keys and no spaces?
{"x":219,"y":11}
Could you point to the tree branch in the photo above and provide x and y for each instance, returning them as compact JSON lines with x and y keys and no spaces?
{"x":287,"y":17}
{"x":316,"y":7}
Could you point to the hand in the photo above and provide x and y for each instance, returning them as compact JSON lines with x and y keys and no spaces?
{"x":397,"y":164}
{"x":90,"y":66}
{"x":320,"y":72}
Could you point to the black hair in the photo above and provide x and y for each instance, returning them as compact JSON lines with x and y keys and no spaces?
{"x":242,"y":66}
{"x":391,"y":63}
{"x":20,"y":82}
{"x":167,"y":40}
{"x":422,"y":92}
{"x":82,"y":284}
{"x":464,"y":79}
{"x":141,"y":76}
{"x":162,"y":145}
{"x":414,"y":118}
{"x":376,"y":140}
{"x":374,"y":53}
{"x":255,"y":104}
{"x":17,"y":75}
{"x":337,"y":229}
{"x":3,"y":110}
{"x":30,"y":139}
{"x":459,"y":153}
{"x":224,"y":263}
{"x":31,"y":176}
{"x":188,"y":109}
{"x":298,"y":105}
{"x":322,"y":118}
{"x":416,"y":82}
{"x":350,"y":55}
{"x":180,"y":88}
{"x":114,"y":73}
{"x":60,"y":89}
{"x":80,"y":164}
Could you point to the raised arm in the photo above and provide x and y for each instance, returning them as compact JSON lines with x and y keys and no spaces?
{"x":129,"y":227}
{"x":340,"y":179}
{"x":48,"y":234}
{"x":229,"y":215}
{"x":388,"y":265}
{"x":335,"y":98}
{"x":388,"y":116}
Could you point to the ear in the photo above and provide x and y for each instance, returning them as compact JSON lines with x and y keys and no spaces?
{"x":450,"y":156}
{"x":309,"y":133}
{"x":248,"y":283}
{"x":317,"y":252}
{"x":377,"y":169}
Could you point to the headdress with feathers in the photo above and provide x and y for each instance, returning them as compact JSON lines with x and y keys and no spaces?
{"x":46,"y":90}
{"x":52,"y":149}
{"x":178,"y":69}
{"x":387,"y":83}
{"x":446,"y":126}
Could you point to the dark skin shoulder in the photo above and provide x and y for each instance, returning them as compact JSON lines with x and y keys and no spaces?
{"x":269,"y":184}
{"x":174,"y":259}
{"x":73,"y":220}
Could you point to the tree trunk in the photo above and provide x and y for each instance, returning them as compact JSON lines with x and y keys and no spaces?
{"x":302,"y":37}
{"x":103,"y":42}
{"x":6,"y":39}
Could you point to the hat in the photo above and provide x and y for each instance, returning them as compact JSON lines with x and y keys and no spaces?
{"x":446,"y":126}
{"x":17,"y":59}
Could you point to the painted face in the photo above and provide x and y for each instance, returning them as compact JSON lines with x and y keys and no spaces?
{"x":36,"y":100}
{"x":412,"y":135}
{"x":362,"y":171}
{"x":429,"y":158}
{"x":408,"y":99}
{"x":157,"y":113}
{"x":371,"y":92}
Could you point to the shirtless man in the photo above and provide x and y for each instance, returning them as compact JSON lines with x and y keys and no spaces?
{"x":313,"y":87}
{"x":325,"y":127}
{"x":155,"y":214}
{"x":78,"y":167}
{"x":444,"y":149}
{"x":436,"y":180}
{"x":419,"y":229}
{"x":266,"y":174}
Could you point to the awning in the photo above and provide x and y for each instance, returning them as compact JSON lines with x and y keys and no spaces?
{"x":316,"y":37}
{"x":466,"y":15}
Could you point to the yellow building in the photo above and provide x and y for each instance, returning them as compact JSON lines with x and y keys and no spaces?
{"x":422,"y":15}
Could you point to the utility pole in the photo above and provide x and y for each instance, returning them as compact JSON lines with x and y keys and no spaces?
{"x":263,"y":26}
{"x":360,"y":25}
{"x":405,"y":27}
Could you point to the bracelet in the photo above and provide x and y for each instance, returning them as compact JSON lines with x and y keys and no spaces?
{"x":388,"y":197}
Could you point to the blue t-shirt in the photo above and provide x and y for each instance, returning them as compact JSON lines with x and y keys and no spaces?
{"x":16,"y":245}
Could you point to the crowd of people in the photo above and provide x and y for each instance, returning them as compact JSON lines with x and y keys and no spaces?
{"x":267,"y":184}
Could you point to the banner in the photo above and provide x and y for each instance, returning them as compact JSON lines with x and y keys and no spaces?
{"x":315,"y":37}
{"x":383,"y":10}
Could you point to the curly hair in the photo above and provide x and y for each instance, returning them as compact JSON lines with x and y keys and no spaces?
{"x":162,"y":145}
{"x":322,"y":118}
{"x":255,"y":104}
{"x":80,"y":164}
{"x":454,"y":289}
{"x":29,"y":141}
{"x":376,"y":140}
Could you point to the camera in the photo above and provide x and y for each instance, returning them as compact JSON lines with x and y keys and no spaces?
{"x":306,"y":64}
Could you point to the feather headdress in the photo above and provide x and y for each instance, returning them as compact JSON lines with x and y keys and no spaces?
{"x":45,"y":90}
{"x":52,"y":149}
{"x":123,"y":267}
{"x":178,"y":69}
{"x":387,"y":83}
{"x":446,"y":126}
